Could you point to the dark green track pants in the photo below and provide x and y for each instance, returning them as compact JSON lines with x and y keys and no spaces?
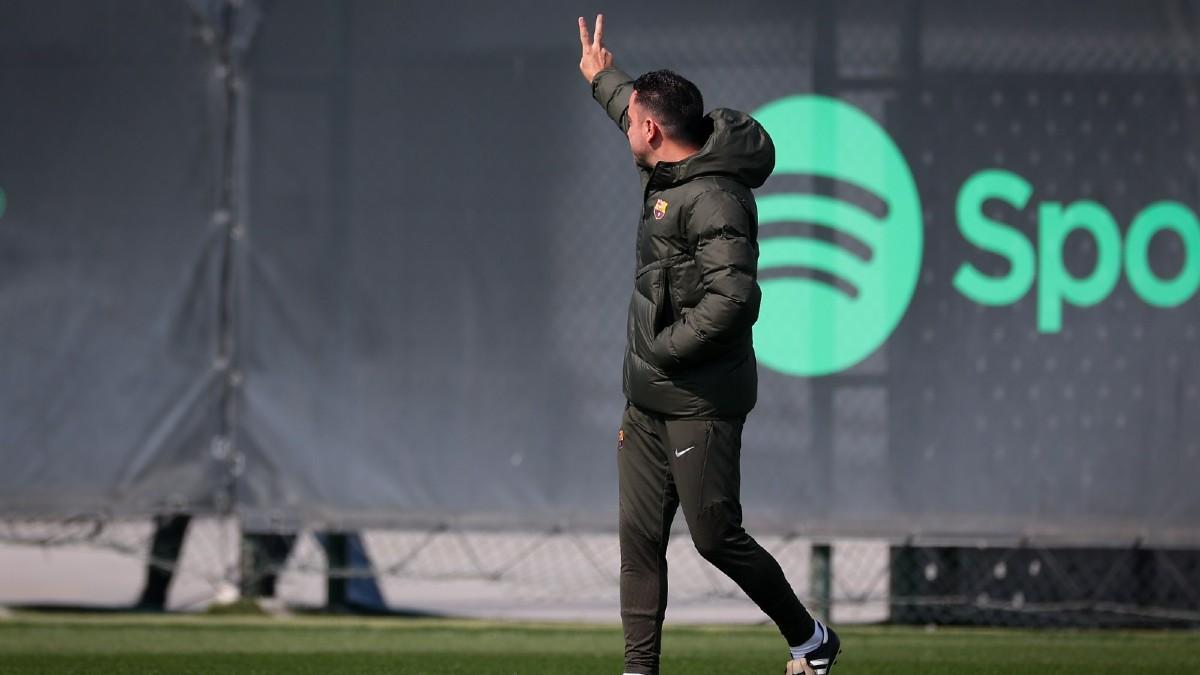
{"x":666,"y":463}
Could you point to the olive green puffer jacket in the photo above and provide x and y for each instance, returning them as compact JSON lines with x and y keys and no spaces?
{"x":690,"y":351}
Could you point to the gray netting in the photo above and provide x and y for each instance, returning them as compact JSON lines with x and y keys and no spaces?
{"x":571,"y":575}
{"x":360,"y":266}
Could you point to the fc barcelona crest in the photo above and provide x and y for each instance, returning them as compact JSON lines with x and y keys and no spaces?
{"x":660,"y":209}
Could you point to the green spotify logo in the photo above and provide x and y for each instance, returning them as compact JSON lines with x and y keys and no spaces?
{"x":839,"y":276}
{"x":841,"y":286}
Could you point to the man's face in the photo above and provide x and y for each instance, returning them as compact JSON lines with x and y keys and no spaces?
{"x":641,"y":128}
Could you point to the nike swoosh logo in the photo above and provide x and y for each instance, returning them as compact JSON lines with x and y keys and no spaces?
{"x":681,"y":453}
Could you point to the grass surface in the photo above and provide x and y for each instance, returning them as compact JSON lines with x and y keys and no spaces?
{"x":41,"y":643}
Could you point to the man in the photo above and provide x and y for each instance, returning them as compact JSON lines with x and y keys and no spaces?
{"x":690,"y":376}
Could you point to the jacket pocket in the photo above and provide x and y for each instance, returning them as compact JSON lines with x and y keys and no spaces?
{"x":664,"y":304}
{"x":644,"y":310}
{"x":654,"y":281}
{"x":653,"y":309}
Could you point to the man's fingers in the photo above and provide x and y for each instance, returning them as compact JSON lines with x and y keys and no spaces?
{"x":599,"y":30}
{"x":584,"y":38}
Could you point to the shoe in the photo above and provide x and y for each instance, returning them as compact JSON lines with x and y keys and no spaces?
{"x":820,"y":660}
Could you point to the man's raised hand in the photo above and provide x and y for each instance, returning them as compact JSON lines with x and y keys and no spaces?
{"x":595,"y":57}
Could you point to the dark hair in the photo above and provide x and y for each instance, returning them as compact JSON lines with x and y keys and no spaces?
{"x":675,"y":103}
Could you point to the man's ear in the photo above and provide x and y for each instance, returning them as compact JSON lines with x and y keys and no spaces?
{"x":653,"y":132}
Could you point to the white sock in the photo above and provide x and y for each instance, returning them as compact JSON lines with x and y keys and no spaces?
{"x":817,"y":639}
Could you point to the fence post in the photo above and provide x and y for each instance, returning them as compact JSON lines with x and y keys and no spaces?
{"x":821,"y":580}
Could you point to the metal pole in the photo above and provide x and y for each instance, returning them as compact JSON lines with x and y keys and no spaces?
{"x":821,"y":581}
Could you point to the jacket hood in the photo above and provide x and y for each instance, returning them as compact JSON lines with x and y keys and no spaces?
{"x":738,"y":147}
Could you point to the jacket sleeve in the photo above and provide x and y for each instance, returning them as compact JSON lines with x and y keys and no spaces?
{"x":612,"y":88}
{"x":720,"y":231}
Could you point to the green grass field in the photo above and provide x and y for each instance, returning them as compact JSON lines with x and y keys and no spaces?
{"x":56,"y":643}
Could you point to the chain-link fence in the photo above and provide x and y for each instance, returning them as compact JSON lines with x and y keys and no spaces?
{"x":189,"y":564}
